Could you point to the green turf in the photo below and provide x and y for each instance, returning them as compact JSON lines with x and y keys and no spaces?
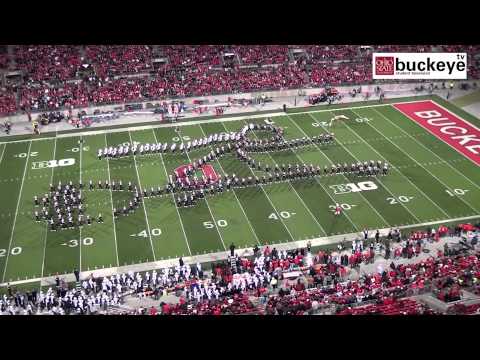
{"x":414,"y":192}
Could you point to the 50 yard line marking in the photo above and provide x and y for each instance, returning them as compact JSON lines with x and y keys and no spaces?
{"x":143,"y":202}
{"x":234,"y":193}
{"x":111,"y":204}
{"x":16,"y":211}
{"x":46,"y":232}
{"x":173,"y":197}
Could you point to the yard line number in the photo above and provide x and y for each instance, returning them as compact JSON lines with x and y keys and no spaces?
{"x":15,"y":251}
{"x":153,"y":232}
{"x":343,"y":206}
{"x":399,"y":199}
{"x":24,"y":155}
{"x":283,"y":214}
{"x":211,"y":225}
{"x":74,"y":242}
{"x":456,"y":192}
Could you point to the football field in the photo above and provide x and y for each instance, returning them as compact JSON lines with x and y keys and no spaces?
{"x":429,"y":181}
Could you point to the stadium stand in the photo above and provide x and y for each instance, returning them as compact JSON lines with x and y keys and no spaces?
{"x":186,"y":70}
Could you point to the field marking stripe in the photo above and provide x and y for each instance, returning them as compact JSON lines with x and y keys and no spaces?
{"x":316,"y":178}
{"x":194,"y":121}
{"x":143,"y":202}
{"x":206,"y":201}
{"x":16,"y":211}
{"x":111,"y":204}
{"x":46,"y":230}
{"x":47,"y":281}
{"x":448,"y":187}
{"x":268,"y":198}
{"x":296,"y":193}
{"x":3,"y":152}
{"x":364,"y":198}
{"x":371,"y":147}
{"x":234,"y":193}
{"x":80,"y":230}
{"x":173,"y":198}
{"x":436,"y":137}
{"x":398,"y":170}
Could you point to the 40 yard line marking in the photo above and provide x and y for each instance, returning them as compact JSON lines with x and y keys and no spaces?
{"x":111,"y":204}
{"x":143,"y":203}
{"x":173,"y":198}
{"x":16,"y":211}
{"x":296,"y":193}
{"x":46,"y":230}
{"x":234,"y":193}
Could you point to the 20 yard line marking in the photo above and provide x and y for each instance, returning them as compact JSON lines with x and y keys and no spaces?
{"x":173,"y":198}
{"x":298,"y":195}
{"x":16,"y":211}
{"x":234,"y":193}
{"x":143,"y":203}
{"x":46,"y":228}
{"x":111,"y":203}
{"x":415,"y":160}
{"x":401,"y":173}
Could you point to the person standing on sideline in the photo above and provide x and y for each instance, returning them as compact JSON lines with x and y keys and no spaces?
{"x":180,"y":262}
{"x":77,"y":275}
{"x":232,"y":250}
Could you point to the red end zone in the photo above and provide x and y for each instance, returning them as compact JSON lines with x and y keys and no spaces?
{"x":448,"y":127}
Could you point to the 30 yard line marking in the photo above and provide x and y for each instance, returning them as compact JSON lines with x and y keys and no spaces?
{"x":318,"y":181}
{"x":206,"y":202}
{"x":16,"y":211}
{"x":298,"y":195}
{"x":234,"y":193}
{"x":111,"y":203}
{"x":425,"y":147}
{"x":401,"y":173}
{"x":46,"y":227}
{"x":415,"y":160}
{"x":331,"y":162}
{"x":268,"y":198}
{"x":143,"y":203}
{"x":173,"y":198}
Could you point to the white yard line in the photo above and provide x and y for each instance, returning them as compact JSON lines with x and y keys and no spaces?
{"x":80,"y":228}
{"x":46,"y":281}
{"x":111,"y":203}
{"x":173,"y":197}
{"x":396,"y":169}
{"x":448,"y":187}
{"x":268,"y":198}
{"x":208,"y":206}
{"x":46,"y":228}
{"x":234,"y":193}
{"x":3,"y":152}
{"x":331,"y":162}
{"x":143,"y":202}
{"x":425,"y":147}
{"x":299,"y":197}
{"x":16,"y":211}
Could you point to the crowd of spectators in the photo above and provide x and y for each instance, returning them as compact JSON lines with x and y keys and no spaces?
{"x":187,"y":70}
{"x":262,"y":284}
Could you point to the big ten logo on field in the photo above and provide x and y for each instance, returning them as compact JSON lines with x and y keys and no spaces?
{"x":351,"y":187}
{"x":52,"y":163}
{"x":384,"y":65}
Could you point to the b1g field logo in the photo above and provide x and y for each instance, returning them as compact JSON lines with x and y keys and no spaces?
{"x":427,"y":66}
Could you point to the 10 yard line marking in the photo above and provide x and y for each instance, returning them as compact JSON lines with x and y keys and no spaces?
{"x":298,"y":195}
{"x":173,"y":197}
{"x":46,"y":232}
{"x":143,"y":202}
{"x":111,"y":203}
{"x":234,"y":193}
{"x":16,"y":211}
{"x":268,"y":198}
{"x":396,"y":168}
